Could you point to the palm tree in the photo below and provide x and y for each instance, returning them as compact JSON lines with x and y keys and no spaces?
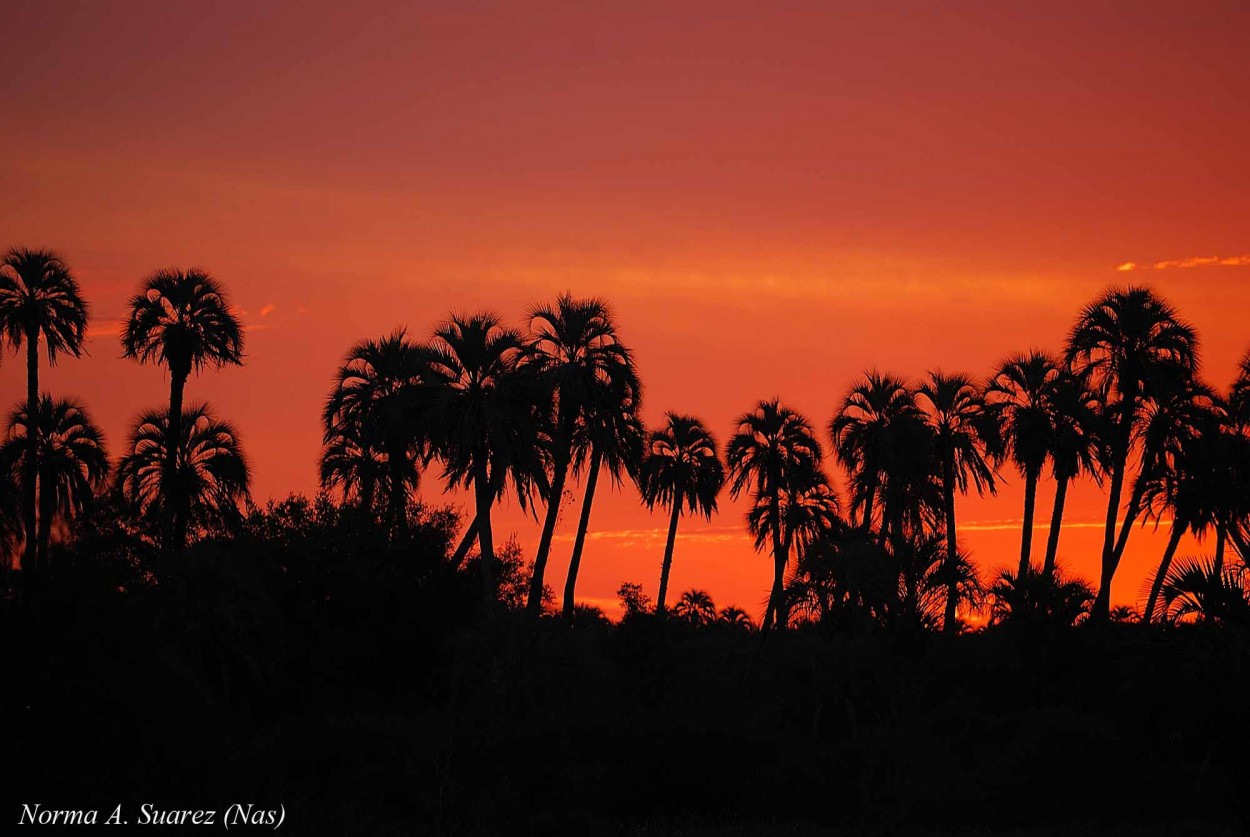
{"x":611,"y":436}
{"x":695,"y":607}
{"x":381,"y":404}
{"x":480,"y":406}
{"x":1076,"y":447}
{"x":575,"y":348}
{"x":773,"y":449}
{"x":1201,"y":483}
{"x":861,"y":432}
{"x":183,"y":320}
{"x":1124,"y":340}
{"x":963,"y":429}
{"x":1019,"y":392}
{"x":735,"y":617}
{"x":210,"y":476}
{"x":352,"y":463}
{"x":680,"y":467}
{"x":39,"y":298}
{"x":70,"y":457}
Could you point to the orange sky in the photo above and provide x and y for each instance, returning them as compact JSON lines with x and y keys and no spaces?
{"x":774,"y":197}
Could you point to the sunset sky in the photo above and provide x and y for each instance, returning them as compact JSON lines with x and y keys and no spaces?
{"x":774,"y":197}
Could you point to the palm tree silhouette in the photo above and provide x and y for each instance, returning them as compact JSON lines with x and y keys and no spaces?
{"x":861,"y":435}
{"x":1020,"y":393}
{"x":39,"y":298}
{"x":680,"y":467}
{"x":70,"y":459}
{"x":480,"y":406}
{"x":1076,"y":447}
{"x":575,"y":348}
{"x":382,"y":393}
{"x":611,"y":436}
{"x":1123,"y":341}
{"x":963,"y":429}
{"x":773,"y":450}
{"x":352,"y":462}
{"x":735,"y":617}
{"x":695,"y":607}
{"x":210,"y":476}
{"x":180,"y":319}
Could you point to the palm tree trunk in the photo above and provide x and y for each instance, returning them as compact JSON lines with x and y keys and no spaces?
{"x":1178,"y":529}
{"x":583,"y":524}
{"x":470,"y":531}
{"x":772,"y":615}
{"x":868,"y":501}
{"x":952,"y":549}
{"x":398,"y":501}
{"x":466,"y":542}
{"x":1221,"y":535}
{"x":1056,"y":525}
{"x":1130,"y":516}
{"x":1101,"y":610}
{"x":485,"y":537}
{"x":30,"y":561}
{"x":47,"y":510}
{"x":560,"y":472}
{"x":173,"y":515}
{"x":668,"y":554}
{"x":1026,"y":537}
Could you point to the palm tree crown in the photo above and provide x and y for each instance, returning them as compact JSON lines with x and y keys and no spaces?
{"x":862,"y":432}
{"x":70,"y":458}
{"x":182,"y":319}
{"x":211,"y":472}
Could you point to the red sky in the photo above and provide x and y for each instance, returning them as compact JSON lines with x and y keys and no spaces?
{"x":774,"y":197}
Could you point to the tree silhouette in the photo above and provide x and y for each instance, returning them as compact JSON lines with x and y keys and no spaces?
{"x":70,"y":459}
{"x":695,"y":607}
{"x":680,"y":468}
{"x":861,"y":432}
{"x":210,"y":475}
{"x":610,"y":436}
{"x":182,"y":320}
{"x":1076,"y":446}
{"x":773,"y":450}
{"x":1123,"y":341}
{"x":735,"y":617}
{"x":39,"y":299}
{"x":381,"y":403}
{"x":575,"y":348}
{"x":1020,"y":393}
{"x":963,"y":429}
{"x":480,"y":406}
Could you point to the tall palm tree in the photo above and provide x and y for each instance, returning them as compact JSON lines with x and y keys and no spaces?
{"x":183,"y":320}
{"x":39,"y":298}
{"x":963,"y":428}
{"x":1019,"y":392}
{"x":1076,"y":447}
{"x":680,"y":468}
{"x":773,"y":449}
{"x":382,"y":401}
{"x":806,"y":510}
{"x":210,"y":474}
{"x":610,"y":436}
{"x":575,"y":348}
{"x":1126,"y":340}
{"x":861,"y":432}
{"x":480,"y":405}
{"x":70,"y":459}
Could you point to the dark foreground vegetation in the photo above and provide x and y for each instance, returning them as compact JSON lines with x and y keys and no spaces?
{"x":311,"y":662}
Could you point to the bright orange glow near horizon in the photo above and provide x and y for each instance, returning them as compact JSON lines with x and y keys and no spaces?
{"x":773,"y":197}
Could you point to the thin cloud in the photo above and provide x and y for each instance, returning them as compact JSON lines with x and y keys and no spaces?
{"x":268,"y":309}
{"x":1192,"y":261}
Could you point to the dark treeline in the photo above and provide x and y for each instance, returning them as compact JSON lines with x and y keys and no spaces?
{"x":380,"y":665}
